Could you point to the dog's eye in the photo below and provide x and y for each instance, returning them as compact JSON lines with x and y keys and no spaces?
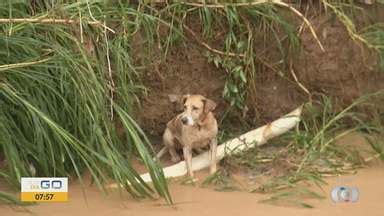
{"x":194,"y":108}
{"x":185,"y":107}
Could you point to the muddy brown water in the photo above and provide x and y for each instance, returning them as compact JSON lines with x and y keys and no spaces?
{"x":195,"y":200}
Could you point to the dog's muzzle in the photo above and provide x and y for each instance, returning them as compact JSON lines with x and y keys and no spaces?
{"x":187,"y":120}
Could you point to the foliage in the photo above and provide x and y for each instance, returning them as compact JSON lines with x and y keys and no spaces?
{"x":60,"y":88}
{"x":311,"y":152}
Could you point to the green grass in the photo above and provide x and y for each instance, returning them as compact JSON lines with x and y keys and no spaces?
{"x":221,"y":180}
{"x":307,"y":154}
{"x":59,"y":106}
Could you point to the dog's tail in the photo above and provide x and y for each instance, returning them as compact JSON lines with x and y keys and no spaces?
{"x":161,"y":153}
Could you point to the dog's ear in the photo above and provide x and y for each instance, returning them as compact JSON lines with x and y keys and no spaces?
{"x":184,"y":98}
{"x":209,"y":105}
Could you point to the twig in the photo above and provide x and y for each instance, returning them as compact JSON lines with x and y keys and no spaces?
{"x":230,"y":4}
{"x":276,"y":2}
{"x":52,"y":21}
{"x":265,"y":63}
{"x":350,"y":29}
{"x":94,"y":19}
{"x":372,"y":158}
{"x":81,"y":28}
{"x":304,"y":19}
{"x":46,"y":20}
{"x":299,"y":83}
{"x":338,"y":174}
{"x":110,"y":78}
{"x":209,"y":47}
{"x":23,"y":64}
{"x":303,"y":24}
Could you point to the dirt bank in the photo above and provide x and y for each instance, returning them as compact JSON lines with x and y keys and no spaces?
{"x":345,"y":71}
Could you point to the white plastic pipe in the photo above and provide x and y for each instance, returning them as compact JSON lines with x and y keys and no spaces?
{"x":257,"y":137}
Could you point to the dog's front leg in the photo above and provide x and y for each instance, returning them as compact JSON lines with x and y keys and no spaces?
{"x":212,"y":155}
{"x":187,"y":150}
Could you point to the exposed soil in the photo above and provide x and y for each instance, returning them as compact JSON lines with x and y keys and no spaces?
{"x":345,"y":71}
{"x":185,"y":71}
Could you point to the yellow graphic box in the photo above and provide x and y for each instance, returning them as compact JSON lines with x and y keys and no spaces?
{"x":45,"y":189}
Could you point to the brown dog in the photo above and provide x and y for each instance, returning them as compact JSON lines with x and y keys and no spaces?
{"x":194,"y":128}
